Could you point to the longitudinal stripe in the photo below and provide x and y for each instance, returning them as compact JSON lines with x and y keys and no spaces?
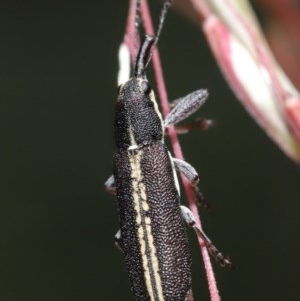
{"x":144,"y":230}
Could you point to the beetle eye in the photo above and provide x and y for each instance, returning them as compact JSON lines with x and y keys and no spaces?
{"x":146,"y":87}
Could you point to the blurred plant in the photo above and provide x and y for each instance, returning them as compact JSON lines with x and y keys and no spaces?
{"x":247,"y":63}
{"x":281,"y":27}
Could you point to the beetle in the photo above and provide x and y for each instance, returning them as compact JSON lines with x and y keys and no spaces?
{"x":152,"y":234}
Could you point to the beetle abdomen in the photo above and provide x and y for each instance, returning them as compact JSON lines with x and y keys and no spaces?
{"x":153,"y":235}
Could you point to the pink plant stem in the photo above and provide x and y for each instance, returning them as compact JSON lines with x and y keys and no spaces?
{"x":130,"y":29}
{"x":214,"y":293}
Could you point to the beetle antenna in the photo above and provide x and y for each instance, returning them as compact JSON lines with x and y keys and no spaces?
{"x":143,"y":56}
{"x":162,"y":18}
{"x":137,"y":22}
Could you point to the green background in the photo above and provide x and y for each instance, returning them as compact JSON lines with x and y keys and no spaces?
{"x":58,"y":89}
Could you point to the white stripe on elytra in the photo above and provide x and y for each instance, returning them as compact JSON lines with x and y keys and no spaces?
{"x":144,"y":232}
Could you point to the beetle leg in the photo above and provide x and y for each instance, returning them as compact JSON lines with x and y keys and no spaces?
{"x":111,"y":188}
{"x":186,"y":106}
{"x":190,"y":220}
{"x":110,"y":185}
{"x":190,"y":296}
{"x":200,"y":123}
{"x":118,"y":240}
{"x":191,"y":174}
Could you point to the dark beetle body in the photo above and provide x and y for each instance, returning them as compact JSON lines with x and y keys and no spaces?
{"x":167,"y":229}
{"x":153,"y":236}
